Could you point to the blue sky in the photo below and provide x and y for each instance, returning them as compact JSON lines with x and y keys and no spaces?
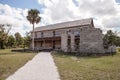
{"x":118,"y":0}
{"x":22,"y":3}
{"x":26,"y":3}
{"x":29,"y":4}
{"x":106,"y":14}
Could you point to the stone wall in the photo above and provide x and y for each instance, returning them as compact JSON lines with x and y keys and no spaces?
{"x":91,"y":40}
{"x":64,"y":41}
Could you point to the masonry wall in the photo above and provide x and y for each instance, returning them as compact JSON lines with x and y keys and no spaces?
{"x":64,"y":41}
{"x":91,"y":40}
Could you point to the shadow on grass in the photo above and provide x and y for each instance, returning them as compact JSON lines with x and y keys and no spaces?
{"x":83,"y":55}
{"x":7,"y":53}
{"x":16,"y":51}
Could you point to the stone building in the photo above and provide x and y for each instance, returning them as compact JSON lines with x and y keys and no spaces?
{"x":73,"y":36}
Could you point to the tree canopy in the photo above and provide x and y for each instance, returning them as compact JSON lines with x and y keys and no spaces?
{"x":10,"y":41}
{"x":33,"y":16}
{"x":110,"y":38}
{"x":4,"y":30}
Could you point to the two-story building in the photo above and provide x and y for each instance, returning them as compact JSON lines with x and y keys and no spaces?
{"x":72,"y":36}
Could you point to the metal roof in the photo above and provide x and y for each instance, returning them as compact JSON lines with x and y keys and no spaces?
{"x":88,"y":21}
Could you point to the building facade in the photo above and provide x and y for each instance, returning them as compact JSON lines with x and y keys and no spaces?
{"x":74,"y":36}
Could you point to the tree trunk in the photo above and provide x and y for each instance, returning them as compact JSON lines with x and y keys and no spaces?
{"x":33,"y":38}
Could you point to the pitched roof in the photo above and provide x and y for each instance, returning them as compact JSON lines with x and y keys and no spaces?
{"x":88,"y":21}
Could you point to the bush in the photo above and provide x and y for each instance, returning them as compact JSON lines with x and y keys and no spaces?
{"x":118,"y":49}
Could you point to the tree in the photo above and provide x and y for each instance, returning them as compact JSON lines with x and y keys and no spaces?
{"x":4,"y":30}
{"x":11,"y":41}
{"x":110,"y":39}
{"x":27,"y":40}
{"x":33,"y":17}
{"x":18,"y":39}
{"x":117,"y":41}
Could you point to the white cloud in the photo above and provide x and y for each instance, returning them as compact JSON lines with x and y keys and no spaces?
{"x":16,"y":17}
{"x":60,"y":13}
{"x":106,"y":14}
{"x":118,"y":33}
{"x":98,"y":7}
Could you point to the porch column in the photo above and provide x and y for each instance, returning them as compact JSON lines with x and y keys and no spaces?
{"x":64,"y":41}
{"x":52,"y":43}
{"x":44,"y":44}
{"x":72,"y":41}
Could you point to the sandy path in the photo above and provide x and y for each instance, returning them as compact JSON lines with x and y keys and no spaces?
{"x":41,"y":67}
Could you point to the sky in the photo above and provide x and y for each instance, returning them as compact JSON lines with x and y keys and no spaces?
{"x":105,"y":13}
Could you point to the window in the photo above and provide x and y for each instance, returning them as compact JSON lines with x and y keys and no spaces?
{"x":35,"y":34}
{"x":41,"y":34}
{"x":56,"y":33}
{"x":53,"y":33}
{"x":77,"y":33}
{"x":69,"y":32}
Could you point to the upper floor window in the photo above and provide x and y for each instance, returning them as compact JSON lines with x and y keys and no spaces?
{"x":53,"y":33}
{"x":41,"y":34}
{"x":35,"y":34}
{"x":56,"y":33}
{"x":69,"y":32}
{"x":77,"y":32}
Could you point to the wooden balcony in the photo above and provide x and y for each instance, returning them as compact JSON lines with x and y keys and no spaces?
{"x":47,"y":38}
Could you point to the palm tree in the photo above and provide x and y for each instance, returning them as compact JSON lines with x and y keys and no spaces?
{"x":33,"y":17}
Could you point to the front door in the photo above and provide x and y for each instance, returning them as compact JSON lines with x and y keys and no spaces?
{"x":53,"y":44}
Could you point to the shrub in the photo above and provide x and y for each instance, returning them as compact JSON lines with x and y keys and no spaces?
{"x":118,"y":49}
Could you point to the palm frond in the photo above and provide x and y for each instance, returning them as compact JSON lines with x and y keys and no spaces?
{"x":33,"y":16}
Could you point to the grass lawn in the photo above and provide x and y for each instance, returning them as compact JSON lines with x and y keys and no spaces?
{"x":11,"y":61}
{"x":88,"y":68}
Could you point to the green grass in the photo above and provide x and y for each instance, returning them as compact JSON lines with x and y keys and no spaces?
{"x":88,"y":68}
{"x":11,"y":61}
